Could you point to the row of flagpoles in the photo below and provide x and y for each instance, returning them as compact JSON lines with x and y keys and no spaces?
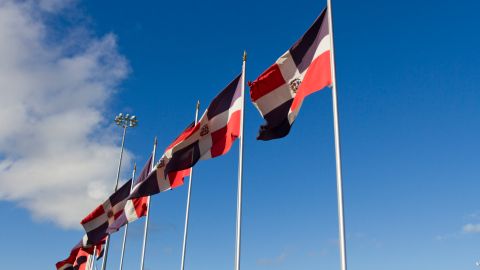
{"x":308,"y":66}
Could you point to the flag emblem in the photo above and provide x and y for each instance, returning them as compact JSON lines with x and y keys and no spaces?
{"x":204,"y":130}
{"x":161,"y":164}
{"x":294,"y":84}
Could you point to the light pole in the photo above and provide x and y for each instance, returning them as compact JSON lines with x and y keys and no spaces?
{"x":122,"y":254}
{"x":124,"y":121}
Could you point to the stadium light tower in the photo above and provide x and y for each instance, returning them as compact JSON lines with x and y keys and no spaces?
{"x":124,"y":121}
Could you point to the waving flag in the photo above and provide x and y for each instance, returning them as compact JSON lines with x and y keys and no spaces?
{"x":134,"y":208}
{"x":213,"y":135}
{"x":83,"y":247}
{"x":66,"y":264}
{"x":156,"y":181}
{"x":82,"y":261}
{"x":279,"y":91}
{"x":97,"y":222}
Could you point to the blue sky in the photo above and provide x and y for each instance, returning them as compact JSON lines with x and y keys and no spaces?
{"x":407,"y":74}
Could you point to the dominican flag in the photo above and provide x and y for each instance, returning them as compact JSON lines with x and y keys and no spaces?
{"x":213,"y":135}
{"x":97,"y":222}
{"x":82,"y":249}
{"x":82,"y":261}
{"x":66,"y":264}
{"x":279,"y":91}
{"x":134,"y":208}
{"x":156,"y":181}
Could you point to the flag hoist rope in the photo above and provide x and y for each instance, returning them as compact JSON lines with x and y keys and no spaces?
{"x":240,"y":173}
{"x":107,"y":243}
{"x":147,"y":217}
{"x":338,"y":159}
{"x":187,"y":212}
{"x":126,"y":225}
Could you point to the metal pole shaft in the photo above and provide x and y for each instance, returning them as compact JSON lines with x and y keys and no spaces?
{"x":147,"y":218}
{"x":92,"y":257}
{"x":107,"y":242}
{"x":105,"y":252}
{"x":338,"y":158}
{"x":187,"y":212}
{"x":126,"y":225}
{"x":240,"y":173}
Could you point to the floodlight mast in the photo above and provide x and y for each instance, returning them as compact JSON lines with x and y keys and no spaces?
{"x":124,"y":121}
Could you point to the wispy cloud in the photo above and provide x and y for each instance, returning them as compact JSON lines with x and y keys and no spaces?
{"x":471,"y":228}
{"x":279,"y":259}
{"x":318,"y":253}
{"x":57,"y":151}
{"x":53,"y":5}
{"x":446,"y":236}
{"x":474,"y":216}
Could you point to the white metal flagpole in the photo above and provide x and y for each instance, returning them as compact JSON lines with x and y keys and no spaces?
{"x":240,"y":173}
{"x":125,"y":121}
{"x":147,"y":217}
{"x":92,"y":257}
{"x":187,"y":212}
{"x":126,"y":225}
{"x":338,"y":158}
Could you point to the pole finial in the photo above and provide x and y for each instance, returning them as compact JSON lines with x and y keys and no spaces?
{"x":155,"y":141}
{"x":134,"y":166}
{"x":198,"y":104}
{"x":244,"y":55}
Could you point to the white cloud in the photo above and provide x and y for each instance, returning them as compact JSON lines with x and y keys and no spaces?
{"x":279,"y":259}
{"x":471,"y":228}
{"x":53,"y":5}
{"x":474,"y":216}
{"x":58,"y":152}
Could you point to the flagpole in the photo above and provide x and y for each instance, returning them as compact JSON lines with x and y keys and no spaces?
{"x":187,"y":212}
{"x":147,"y":218}
{"x":240,"y":172}
{"x":125,"y":122}
{"x":338,"y":158}
{"x":126,"y":225}
{"x":92,"y":257}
